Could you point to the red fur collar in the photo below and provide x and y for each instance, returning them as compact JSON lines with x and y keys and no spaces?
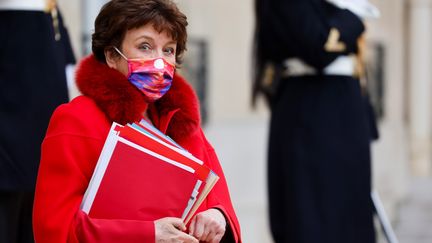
{"x":123,"y":103}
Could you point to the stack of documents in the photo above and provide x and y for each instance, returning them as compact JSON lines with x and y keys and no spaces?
{"x":142,"y":174}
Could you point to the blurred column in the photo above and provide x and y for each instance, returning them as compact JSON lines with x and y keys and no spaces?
{"x":420,"y":79}
{"x":90,"y":9}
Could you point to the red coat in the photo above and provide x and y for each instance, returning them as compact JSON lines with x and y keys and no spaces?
{"x":75,"y":137}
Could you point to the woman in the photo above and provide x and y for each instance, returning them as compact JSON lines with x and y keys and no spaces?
{"x":128,"y":34}
{"x":319,"y":169}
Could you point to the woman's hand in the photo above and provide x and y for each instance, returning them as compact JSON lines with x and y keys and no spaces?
{"x":208,"y":226}
{"x":172,"y":230}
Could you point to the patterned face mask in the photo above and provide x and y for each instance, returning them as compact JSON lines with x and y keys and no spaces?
{"x":152,"y":77}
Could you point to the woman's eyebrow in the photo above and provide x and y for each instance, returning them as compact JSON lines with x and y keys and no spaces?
{"x":173,"y":42}
{"x":144,"y":37}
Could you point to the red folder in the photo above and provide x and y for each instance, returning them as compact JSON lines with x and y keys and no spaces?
{"x":170,"y":152}
{"x":139,"y":185}
{"x":141,"y":177}
{"x":142,"y":133}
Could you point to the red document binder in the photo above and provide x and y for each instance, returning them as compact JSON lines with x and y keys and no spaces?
{"x":137,"y":185}
{"x":140,"y":177}
{"x":167,"y":150}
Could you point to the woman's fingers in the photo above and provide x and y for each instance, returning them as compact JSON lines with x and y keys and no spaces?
{"x":208,"y":235}
{"x":216,"y":234}
{"x":172,"y":230}
{"x":187,"y":238}
{"x":192,"y":226}
{"x":178,"y":223}
{"x":199,"y":227}
{"x":208,"y":226}
{"x":217,"y":238}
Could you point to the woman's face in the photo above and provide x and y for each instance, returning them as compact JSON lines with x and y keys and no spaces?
{"x":143,"y":43}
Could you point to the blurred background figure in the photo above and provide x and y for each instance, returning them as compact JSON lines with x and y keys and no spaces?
{"x":34,"y":52}
{"x":319,"y":169}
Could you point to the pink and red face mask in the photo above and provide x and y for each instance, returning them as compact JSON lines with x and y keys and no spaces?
{"x":152,"y":77}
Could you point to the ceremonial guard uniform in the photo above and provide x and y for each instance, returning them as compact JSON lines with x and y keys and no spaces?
{"x":34,"y":50}
{"x":319,"y":170}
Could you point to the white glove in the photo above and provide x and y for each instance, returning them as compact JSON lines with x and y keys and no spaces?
{"x":362,"y":8}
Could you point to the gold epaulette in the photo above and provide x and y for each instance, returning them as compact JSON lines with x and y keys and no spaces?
{"x":50,"y":5}
{"x":333,"y":43}
{"x":51,"y":8}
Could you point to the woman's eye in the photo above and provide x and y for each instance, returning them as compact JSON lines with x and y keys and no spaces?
{"x":145,"y":47}
{"x":169,"y":51}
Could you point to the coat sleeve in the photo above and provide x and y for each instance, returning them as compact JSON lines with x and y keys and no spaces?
{"x":65,"y":170}
{"x":219,"y":197}
{"x":301,"y":28}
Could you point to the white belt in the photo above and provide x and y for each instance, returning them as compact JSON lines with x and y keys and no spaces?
{"x":343,"y":65}
{"x":29,"y":5}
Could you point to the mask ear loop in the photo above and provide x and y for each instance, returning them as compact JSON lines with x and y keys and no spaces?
{"x":121,"y":54}
{"x":127,"y":60}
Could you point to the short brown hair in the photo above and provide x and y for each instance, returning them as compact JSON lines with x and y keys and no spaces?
{"x":118,"y":16}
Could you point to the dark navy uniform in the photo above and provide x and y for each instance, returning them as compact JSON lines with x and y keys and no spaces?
{"x":319,"y":170}
{"x":34,"y":51}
